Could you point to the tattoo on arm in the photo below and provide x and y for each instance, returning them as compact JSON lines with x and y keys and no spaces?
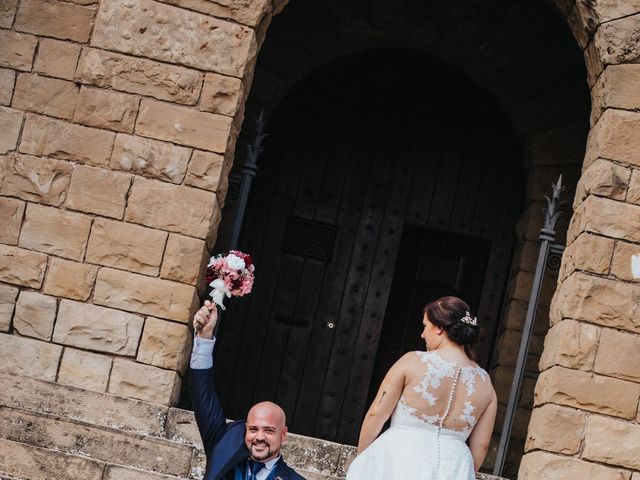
{"x":384,"y":392}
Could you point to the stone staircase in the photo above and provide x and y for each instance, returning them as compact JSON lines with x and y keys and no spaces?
{"x":50,"y":431}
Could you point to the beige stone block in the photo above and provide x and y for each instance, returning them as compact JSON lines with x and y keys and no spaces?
{"x":244,"y":11}
{"x":96,"y":190}
{"x":516,"y":314}
{"x":106,"y":109}
{"x":221,"y":94}
{"x":182,"y":427}
{"x":84,"y":370}
{"x":604,"y":179}
{"x":633,"y":195}
{"x":184,"y":259}
{"x":138,"y":293}
{"x":621,"y":263}
{"x":617,"y":87}
{"x":35,"y":315}
{"x":57,"y":58}
{"x":29,"y":357}
{"x":601,"y":12}
{"x":606,"y":217}
{"x":570,"y":344}
{"x":546,"y":466}
{"x":171,"y":207}
{"x":97,"y":328}
{"x":556,"y":429}
{"x":17,"y":50}
{"x":59,"y":232}
{"x":117,"y":472}
{"x":11,"y":121}
{"x":209,"y":171}
{"x":616,"y":136}
{"x":49,"y":96}
{"x":42,"y":180}
{"x":509,"y":344}
{"x":52,"y":18}
{"x":139,"y":75}
{"x":502,"y":378}
{"x":522,"y":283}
{"x":8,"y":297}
{"x":587,"y":391}
{"x":183,"y":125}
{"x":588,"y":253}
{"x":22,"y":267}
{"x":69,"y":279}
{"x":612,"y":442}
{"x":616,"y":356}
{"x":7,"y":12}
{"x":7,"y":80}
{"x":150,"y":158}
{"x":616,"y":42}
{"x":54,"y":138}
{"x":188,"y":38}
{"x":11,"y":213}
{"x":144,"y":382}
{"x":126,"y":246}
{"x":165,"y":344}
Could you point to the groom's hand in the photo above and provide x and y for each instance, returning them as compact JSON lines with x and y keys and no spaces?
{"x":205,"y":320}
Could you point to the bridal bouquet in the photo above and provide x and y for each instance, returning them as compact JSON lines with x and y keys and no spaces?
{"x":229,"y":276}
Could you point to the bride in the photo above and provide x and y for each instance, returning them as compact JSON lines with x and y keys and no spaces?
{"x":439,"y":399}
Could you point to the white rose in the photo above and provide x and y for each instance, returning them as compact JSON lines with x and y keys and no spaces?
{"x":235,"y":262}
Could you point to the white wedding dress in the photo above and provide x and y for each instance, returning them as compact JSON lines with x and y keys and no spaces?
{"x":429,"y":427}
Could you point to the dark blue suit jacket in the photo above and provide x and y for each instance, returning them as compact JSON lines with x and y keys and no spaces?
{"x":223,"y":443}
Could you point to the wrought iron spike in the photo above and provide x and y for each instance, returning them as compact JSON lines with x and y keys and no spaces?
{"x":554,"y":204}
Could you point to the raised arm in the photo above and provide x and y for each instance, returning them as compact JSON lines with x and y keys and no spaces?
{"x":481,"y":435}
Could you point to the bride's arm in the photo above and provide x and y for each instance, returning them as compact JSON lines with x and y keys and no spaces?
{"x":384,"y":403}
{"x":481,"y":435}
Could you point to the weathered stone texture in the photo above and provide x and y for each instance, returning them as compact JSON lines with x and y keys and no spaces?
{"x":617,"y":356}
{"x":165,"y":344}
{"x":11,"y":212}
{"x":246,"y":12}
{"x":22,"y":267}
{"x":545,"y":466}
{"x":17,"y":50}
{"x":144,"y":382}
{"x":621,"y":263}
{"x":183,"y":125}
{"x":139,"y":75}
{"x":612,"y":442}
{"x":502,"y":377}
{"x":150,"y":158}
{"x":57,"y":58}
{"x":8,"y":297}
{"x":29,"y":357}
{"x":54,"y":138}
{"x":117,"y":472}
{"x":7,"y":80}
{"x":221,"y":94}
{"x":516,"y":314}
{"x":69,"y":279}
{"x":606,"y":217}
{"x":605,"y":179}
{"x":587,"y":391}
{"x":52,"y":18}
{"x":570,"y":344}
{"x":137,"y":293}
{"x":49,"y":96}
{"x":11,"y":121}
{"x":195,"y":40}
{"x":84,"y":370}
{"x":97,"y":328}
{"x":209,"y":171}
{"x":40,"y":180}
{"x":182,"y":427}
{"x":509,"y":343}
{"x":170,"y":207}
{"x":546,"y":434}
{"x":59,"y":232}
{"x":106,"y":109}
{"x":617,"y":87}
{"x":617,"y":41}
{"x":633,"y":195}
{"x":521,"y":285}
{"x":589,"y":253}
{"x":96,"y":190}
{"x":184,"y":259}
{"x":126,"y":246}
{"x":35,"y":315}
{"x":596,"y":13}
{"x":7,"y":12}
{"x":616,"y":136}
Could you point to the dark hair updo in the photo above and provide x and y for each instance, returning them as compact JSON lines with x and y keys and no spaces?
{"x":447,"y":313}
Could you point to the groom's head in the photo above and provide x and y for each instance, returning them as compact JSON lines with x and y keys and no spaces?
{"x":266,"y":430}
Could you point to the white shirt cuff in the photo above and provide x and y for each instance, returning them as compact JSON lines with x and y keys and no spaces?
{"x":202,"y":353}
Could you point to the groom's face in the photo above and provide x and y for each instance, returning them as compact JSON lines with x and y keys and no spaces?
{"x":266,"y":430}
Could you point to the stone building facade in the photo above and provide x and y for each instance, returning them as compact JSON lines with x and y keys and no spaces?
{"x":120,"y":120}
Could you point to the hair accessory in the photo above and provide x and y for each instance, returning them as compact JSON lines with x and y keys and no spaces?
{"x":469,"y":320}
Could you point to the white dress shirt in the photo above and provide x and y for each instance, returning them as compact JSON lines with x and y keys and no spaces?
{"x":202,"y":353}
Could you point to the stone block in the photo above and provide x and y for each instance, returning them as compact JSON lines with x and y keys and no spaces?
{"x":502,"y":377}
{"x":221,"y":94}
{"x":165,"y":344}
{"x":615,"y":357}
{"x":11,"y":213}
{"x":57,"y":58}
{"x":97,"y":328}
{"x":598,"y":13}
{"x":22,"y":267}
{"x":144,"y":382}
{"x":51,"y":18}
{"x":49,"y":96}
{"x":7,"y":13}
{"x":587,"y":253}
{"x":604,"y":179}
{"x":55,"y":231}
{"x":35,"y":315}
{"x":42,"y":180}
{"x":17,"y":50}
{"x":182,"y":427}
{"x":126,"y":246}
{"x":139,"y":75}
{"x":616,"y":136}
{"x":8,"y":297}
{"x":184,"y":259}
{"x":570,"y":344}
{"x":49,"y":137}
{"x":612,"y":442}
{"x":209,"y":171}
{"x":617,"y":87}
{"x":516,"y":314}
{"x":606,"y":217}
{"x":117,"y":472}
{"x":11,"y":121}
{"x":587,"y":391}
{"x":183,"y":125}
{"x":97,"y":190}
{"x":633,"y":195}
{"x":509,"y":344}
{"x":84,"y":370}
{"x":621,"y":263}
{"x":150,"y":158}
{"x":616,"y":41}
{"x":546,"y":466}
{"x":106,"y":109}
{"x":188,"y":38}
{"x":245,"y":12}
{"x":7,"y":81}
{"x":69,"y":279}
{"x":316,"y":455}
{"x":522,"y":283}
{"x":29,"y":357}
{"x":138,"y":293}
{"x":171,"y":207}
{"x":556,"y":429}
